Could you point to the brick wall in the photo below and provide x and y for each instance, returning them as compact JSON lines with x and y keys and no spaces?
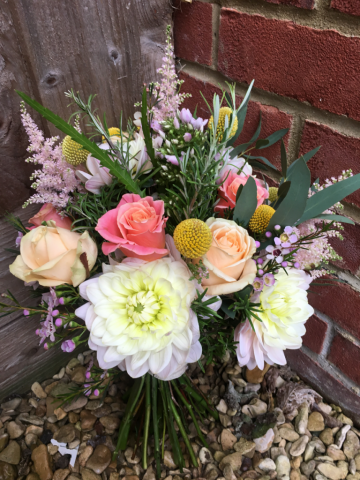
{"x":304,"y":57}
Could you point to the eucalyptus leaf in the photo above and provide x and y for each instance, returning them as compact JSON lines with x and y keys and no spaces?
{"x":246,"y":203}
{"x":114,"y":166}
{"x":336,"y":218}
{"x":306,"y":157}
{"x":273,"y":138}
{"x":251,"y":159}
{"x":226,"y":303}
{"x":283,"y":159}
{"x":241,"y":148}
{"x":293,"y":206}
{"x":323,"y":200}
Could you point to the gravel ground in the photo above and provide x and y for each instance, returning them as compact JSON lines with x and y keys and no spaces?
{"x":272,"y":427}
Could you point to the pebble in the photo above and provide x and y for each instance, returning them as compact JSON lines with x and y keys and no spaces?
{"x":326,"y":436}
{"x":31,"y":439}
{"x":255,"y":408}
{"x":109,"y":422}
{"x":4,"y":440}
{"x":100,"y":459}
{"x":234,"y":460}
{"x":61,"y":474}
{"x":282,"y":466}
{"x":205,"y":456}
{"x":38,"y":390}
{"x":14,"y":430}
{"x":332,"y":472}
{"x":85,"y":455}
{"x":256,"y":375}
{"x":129,"y":454}
{"x":42,"y":462}
{"x":316,"y":422}
{"x":222,"y":407}
{"x":351,"y":445}
{"x":267,"y":465}
{"x":74,"y":405}
{"x":341,"y":435}
{"x":227,"y":440}
{"x":11,"y":404}
{"x":288,"y":434}
{"x":307,"y":468}
{"x":263,"y":443}
{"x":225,"y":420}
{"x":7,"y":471}
{"x":298,"y":447}
{"x":87,"y":474}
{"x":11,"y":454}
{"x":66,"y":434}
{"x":168,"y":459}
{"x":334,"y":452}
{"x":301,"y":420}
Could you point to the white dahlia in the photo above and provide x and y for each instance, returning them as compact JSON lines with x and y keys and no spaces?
{"x":284,"y":310}
{"x":139,"y":317}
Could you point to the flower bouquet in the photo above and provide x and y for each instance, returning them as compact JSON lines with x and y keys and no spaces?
{"x":158,"y":246}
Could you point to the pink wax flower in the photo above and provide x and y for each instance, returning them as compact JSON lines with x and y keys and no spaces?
{"x":228,"y":190}
{"x":136,"y":227}
{"x":48,"y":212}
{"x":68,"y":346}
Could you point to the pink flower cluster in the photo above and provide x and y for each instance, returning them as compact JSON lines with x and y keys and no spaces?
{"x":56,"y":180}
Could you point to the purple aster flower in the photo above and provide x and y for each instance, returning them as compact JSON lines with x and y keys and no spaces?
{"x":176,"y":123}
{"x":258,"y":284}
{"x":155,"y":125}
{"x":269,"y":279}
{"x":172,"y":159}
{"x":187,"y":137}
{"x":199,"y":123}
{"x":185,"y":115}
{"x":68,"y":346}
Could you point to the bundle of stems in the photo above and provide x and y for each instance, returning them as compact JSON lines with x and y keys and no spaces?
{"x":160,"y":406}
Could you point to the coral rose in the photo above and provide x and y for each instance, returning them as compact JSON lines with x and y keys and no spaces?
{"x":229,"y":258}
{"x":228,"y":190}
{"x":51,"y":256}
{"x":136,"y":227}
{"x":48,"y":212}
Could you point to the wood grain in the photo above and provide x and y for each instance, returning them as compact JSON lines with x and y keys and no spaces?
{"x":104,"y":47}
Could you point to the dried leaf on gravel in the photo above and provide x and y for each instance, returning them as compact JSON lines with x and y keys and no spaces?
{"x":291,"y":395}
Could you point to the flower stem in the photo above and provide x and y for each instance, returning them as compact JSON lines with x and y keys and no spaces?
{"x":185,"y":382}
{"x":130,"y":407}
{"x":190,"y":410}
{"x":183,"y":434}
{"x":147,"y":419}
{"x":154,"y":393}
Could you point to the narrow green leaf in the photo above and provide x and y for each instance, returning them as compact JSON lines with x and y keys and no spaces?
{"x":323,"y":200}
{"x":146,"y":128}
{"x":336,"y":218}
{"x":293,"y":206}
{"x":114,"y":166}
{"x":271,"y":139}
{"x":306,"y":157}
{"x":241,"y":115}
{"x":238,"y":193}
{"x":226,"y":303}
{"x":283,"y":159}
{"x":283,"y":189}
{"x":246,"y":203}
{"x":251,"y":159}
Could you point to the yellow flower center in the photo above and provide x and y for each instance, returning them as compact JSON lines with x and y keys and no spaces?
{"x":223,"y":113}
{"x":192,"y":238}
{"x":261,"y":218}
{"x":73,"y":152}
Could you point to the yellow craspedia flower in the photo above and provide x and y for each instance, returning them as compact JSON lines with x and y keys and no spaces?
{"x":192,"y":238}
{"x":273,"y":194}
{"x":261,"y":218}
{"x":73,"y":152}
{"x":113,"y":132}
{"x":224,"y":112}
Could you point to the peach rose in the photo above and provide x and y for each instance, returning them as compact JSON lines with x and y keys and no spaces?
{"x":229,"y":260}
{"x":51,"y":256}
{"x":48,"y":212}
{"x":228,"y":190}
{"x":136,"y":226}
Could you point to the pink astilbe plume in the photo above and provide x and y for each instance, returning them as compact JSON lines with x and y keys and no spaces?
{"x":55,"y":182}
{"x":169,"y":96}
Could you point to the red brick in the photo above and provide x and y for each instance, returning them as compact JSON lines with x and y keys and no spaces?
{"x":340,"y":302}
{"x":193,"y":32}
{"x":317,"y":66}
{"x":349,"y":248}
{"x":346,"y":356}
{"x":323,"y":382}
{"x":352,"y":7}
{"x":309,"y":4}
{"x":315,"y":334}
{"x":337,"y":153}
{"x":272,"y":118}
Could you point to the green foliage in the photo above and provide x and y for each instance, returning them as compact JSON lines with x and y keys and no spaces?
{"x":246,"y":203}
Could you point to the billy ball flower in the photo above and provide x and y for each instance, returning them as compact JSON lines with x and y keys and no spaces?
{"x":223,"y":113}
{"x":140,"y":319}
{"x":273,"y":194}
{"x":113,"y":132}
{"x":73,"y":152}
{"x":261,"y":218}
{"x":192,"y":238}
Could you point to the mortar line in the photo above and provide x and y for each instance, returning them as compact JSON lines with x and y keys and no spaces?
{"x":322,"y":18}
{"x":342,"y":124}
{"x":215,"y":31}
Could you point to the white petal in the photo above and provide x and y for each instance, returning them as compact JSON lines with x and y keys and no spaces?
{"x":159,"y":360}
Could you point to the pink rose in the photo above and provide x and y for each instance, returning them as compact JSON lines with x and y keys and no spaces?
{"x":48,"y":212}
{"x":228,"y":190}
{"x":136,"y":227}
